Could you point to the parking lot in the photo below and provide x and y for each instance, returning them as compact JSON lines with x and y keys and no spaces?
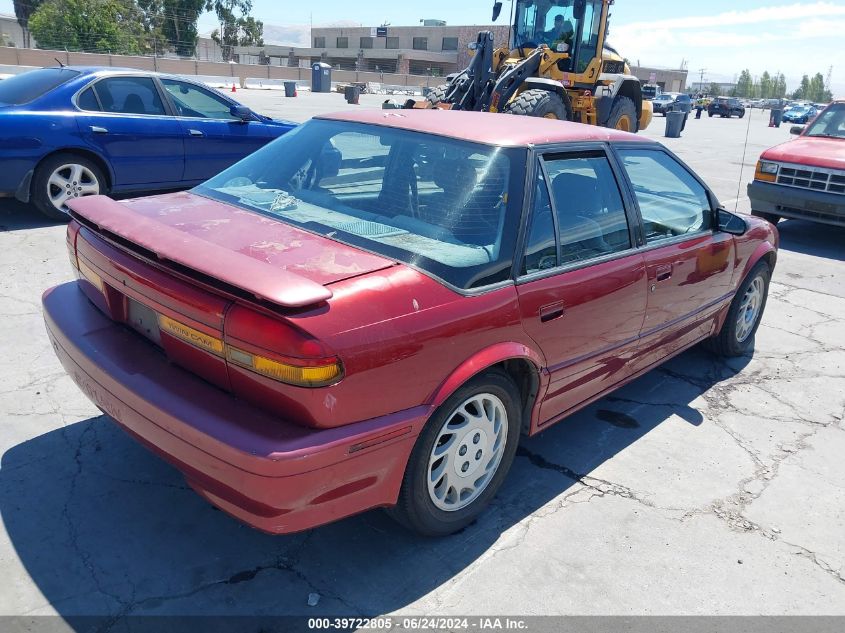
{"x":704,"y":487}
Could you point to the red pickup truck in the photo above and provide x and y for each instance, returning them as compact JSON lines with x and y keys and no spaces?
{"x":805,"y":177}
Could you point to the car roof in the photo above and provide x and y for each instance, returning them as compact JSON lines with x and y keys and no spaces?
{"x":483,"y":127}
{"x":104,"y":71}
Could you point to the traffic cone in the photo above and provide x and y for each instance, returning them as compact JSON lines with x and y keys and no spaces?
{"x":233,"y":88}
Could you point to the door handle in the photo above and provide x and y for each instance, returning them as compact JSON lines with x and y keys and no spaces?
{"x":96,"y":129}
{"x":551,"y":311}
{"x":195,"y":133}
{"x":662,"y":273}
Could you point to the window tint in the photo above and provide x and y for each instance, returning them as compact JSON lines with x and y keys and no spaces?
{"x":590,"y":214}
{"x":27,"y":86}
{"x":87,"y":100}
{"x":671,"y":200}
{"x":541,"y":245}
{"x":129,"y":95}
{"x":193,"y":101}
{"x":449,"y":44}
{"x":446,"y":206}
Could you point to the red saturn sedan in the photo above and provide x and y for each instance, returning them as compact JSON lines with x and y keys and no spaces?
{"x":373,"y":309}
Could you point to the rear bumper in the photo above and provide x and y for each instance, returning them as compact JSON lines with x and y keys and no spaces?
{"x":271,"y":474}
{"x":797,"y":203}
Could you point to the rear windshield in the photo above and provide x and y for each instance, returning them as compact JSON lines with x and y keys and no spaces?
{"x":830,"y":123}
{"x":25,"y":87}
{"x":448,"y":207}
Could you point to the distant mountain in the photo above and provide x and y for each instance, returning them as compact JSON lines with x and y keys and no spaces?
{"x":297,"y":34}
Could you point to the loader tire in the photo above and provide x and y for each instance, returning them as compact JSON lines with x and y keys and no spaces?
{"x":437,"y":94}
{"x":623,"y":115}
{"x":540,"y":103}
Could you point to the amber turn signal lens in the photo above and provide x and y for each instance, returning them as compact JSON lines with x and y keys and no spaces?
{"x":766,"y":171}
{"x":302,"y":376}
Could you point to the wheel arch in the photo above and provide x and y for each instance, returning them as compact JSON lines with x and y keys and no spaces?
{"x":549,"y":85}
{"x":516,"y":360}
{"x":632,"y":89}
{"x":85,"y":153}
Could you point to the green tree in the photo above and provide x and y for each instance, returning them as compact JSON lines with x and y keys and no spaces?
{"x":714,"y":90}
{"x":766,"y":86}
{"x":114,"y":26}
{"x":235,"y":30}
{"x":779,"y":89}
{"x":23,"y":11}
{"x":744,"y":85}
{"x":816,"y":90}
{"x":178,"y":24}
{"x":803,"y":90}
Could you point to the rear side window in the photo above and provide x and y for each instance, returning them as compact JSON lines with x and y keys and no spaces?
{"x":26,"y":87}
{"x":672,"y":202}
{"x":88,"y":100}
{"x":129,"y":95}
{"x":588,"y":207}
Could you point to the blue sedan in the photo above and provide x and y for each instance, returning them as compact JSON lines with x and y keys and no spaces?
{"x":78,"y":131}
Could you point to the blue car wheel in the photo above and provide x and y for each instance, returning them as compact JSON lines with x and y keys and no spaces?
{"x":62,"y":178}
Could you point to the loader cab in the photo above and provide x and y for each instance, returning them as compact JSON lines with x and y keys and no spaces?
{"x":571,"y":27}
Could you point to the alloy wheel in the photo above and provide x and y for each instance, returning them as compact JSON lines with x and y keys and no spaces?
{"x":71,"y":181}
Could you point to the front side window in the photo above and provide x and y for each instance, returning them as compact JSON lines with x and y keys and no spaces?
{"x":830,"y":123}
{"x":446,"y":206}
{"x":129,"y":95}
{"x":193,"y":101}
{"x":588,"y":207}
{"x":541,"y":243}
{"x":672,"y":202}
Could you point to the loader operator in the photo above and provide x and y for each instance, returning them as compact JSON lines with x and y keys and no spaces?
{"x":562,"y":33}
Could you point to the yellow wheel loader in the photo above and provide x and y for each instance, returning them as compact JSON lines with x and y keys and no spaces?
{"x":557,"y":65}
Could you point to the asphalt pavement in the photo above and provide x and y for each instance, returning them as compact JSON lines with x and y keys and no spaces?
{"x":705,"y":487}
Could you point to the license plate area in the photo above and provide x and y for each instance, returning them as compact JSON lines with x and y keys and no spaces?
{"x":143,"y":320}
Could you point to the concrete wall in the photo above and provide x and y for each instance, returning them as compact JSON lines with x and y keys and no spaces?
{"x":17,"y":57}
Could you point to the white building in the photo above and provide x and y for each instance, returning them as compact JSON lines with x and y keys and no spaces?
{"x":11,"y":33}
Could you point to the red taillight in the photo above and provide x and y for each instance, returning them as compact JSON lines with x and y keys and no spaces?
{"x":278,"y":350}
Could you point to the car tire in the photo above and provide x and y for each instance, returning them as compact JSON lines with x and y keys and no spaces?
{"x":539,"y":103}
{"x":80,"y":176}
{"x":624,"y":114}
{"x":770,"y":217}
{"x":737,"y":334}
{"x":710,"y":114}
{"x":741,"y":114}
{"x":437,"y":94}
{"x":437,"y":508}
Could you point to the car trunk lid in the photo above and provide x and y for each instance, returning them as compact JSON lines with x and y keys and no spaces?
{"x":262,"y":256}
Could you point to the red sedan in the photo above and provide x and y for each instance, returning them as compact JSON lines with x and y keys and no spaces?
{"x":371,"y":310}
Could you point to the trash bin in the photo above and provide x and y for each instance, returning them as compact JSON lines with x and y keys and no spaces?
{"x":321,"y":77}
{"x":290,"y":88}
{"x":352,"y":93}
{"x":674,"y":123}
{"x":775,"y":117}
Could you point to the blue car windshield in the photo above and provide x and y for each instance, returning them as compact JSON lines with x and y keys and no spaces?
{"x":28,"y":86}
{"x":449,"y":207}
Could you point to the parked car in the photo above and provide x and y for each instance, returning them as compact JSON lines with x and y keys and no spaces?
{"x":800,"y":114}
{"x":804,"y":178}
{"x":307,"y":339}
{"x":671,"y":102}
{"x":78,"y":131}
{"x":726,"y":107}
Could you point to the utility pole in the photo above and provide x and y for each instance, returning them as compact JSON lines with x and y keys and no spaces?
{"x":701,"y":72}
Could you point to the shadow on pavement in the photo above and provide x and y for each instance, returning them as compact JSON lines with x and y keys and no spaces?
{"x":104,"y":528}
{"x":812,"y":238}
{"x":16,"y":216}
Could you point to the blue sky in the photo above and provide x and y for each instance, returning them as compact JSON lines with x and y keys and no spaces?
{"x":723,"y":36}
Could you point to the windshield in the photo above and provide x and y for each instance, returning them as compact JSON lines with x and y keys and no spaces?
{"x":25,"y":87}
{"x":830,"y":123}
{"x":549,"y":22}
{"x":448,"y":207}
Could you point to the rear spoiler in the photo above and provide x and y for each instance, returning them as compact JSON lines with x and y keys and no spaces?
{"x":119,"y":223}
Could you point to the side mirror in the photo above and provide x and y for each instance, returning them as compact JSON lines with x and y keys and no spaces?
{"x":730,"y":223}
{"x":497,"y":10}
{"x":241,"y":112}
{"x":796,"y":129}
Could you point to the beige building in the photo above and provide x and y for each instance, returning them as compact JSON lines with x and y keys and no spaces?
{"x":11,"y":33}
{"x":667,"y":80}
{"x":428,"y":49}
